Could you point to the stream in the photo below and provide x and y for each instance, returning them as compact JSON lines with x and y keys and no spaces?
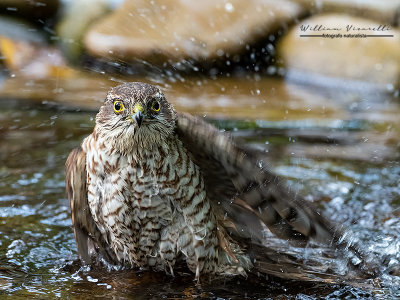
{"x":338,"y":148}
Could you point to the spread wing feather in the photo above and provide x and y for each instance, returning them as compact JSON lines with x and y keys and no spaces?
{"x":247,"y":192}
{"x":88,"y":238}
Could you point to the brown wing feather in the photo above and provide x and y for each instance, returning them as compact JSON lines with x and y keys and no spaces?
{"x":258,"y":193}
{"x":88,"y":238}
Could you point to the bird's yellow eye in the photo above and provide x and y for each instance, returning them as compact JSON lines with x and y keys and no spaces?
{"x":155,"y":106}
{"x":118,"y":106}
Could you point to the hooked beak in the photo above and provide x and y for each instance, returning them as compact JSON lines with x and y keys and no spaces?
{"x":138,"y":117}
{"x":138,"y":114}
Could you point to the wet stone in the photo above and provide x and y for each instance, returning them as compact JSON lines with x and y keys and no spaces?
{"x":342,"y":54}
{"x":171,"y":31}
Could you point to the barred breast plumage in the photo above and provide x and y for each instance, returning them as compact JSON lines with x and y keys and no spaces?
{"x":151,"y":207}
{"x":150,"y":188}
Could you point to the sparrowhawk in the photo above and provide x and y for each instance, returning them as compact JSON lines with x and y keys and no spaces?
{"x":151,"y":187}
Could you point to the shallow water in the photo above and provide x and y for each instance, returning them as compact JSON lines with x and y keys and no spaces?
{"x":338,"y":149}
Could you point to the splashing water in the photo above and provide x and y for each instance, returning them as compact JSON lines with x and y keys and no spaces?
{"x":36,"y":239}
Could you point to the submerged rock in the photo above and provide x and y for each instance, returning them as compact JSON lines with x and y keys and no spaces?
{"x":342,"y":51}
{"x":172,"y":31}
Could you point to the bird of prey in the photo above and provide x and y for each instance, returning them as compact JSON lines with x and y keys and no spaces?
{"x":151,"y":188}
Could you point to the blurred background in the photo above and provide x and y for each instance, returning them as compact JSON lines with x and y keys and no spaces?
{"x":280,"y":76}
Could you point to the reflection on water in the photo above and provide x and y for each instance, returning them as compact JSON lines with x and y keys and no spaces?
{"x":37,"y":247}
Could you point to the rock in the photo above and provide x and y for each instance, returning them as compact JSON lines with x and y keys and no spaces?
{"x":387,"y":11}
{"x":77,"y":17}
{"x":160,"y":31}
{"x":31,"y":9}
{"x":355,"y":62}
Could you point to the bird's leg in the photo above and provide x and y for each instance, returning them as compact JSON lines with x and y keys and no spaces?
{"x":171,"y":270}
{"x":197,"y":277}
{"x":224,"y":243}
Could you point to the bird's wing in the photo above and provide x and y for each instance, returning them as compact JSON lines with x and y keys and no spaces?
{"x":88,"y":238}
{"x":247,"y":192}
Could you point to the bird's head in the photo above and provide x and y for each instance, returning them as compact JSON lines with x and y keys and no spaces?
{"x":135,"y":115}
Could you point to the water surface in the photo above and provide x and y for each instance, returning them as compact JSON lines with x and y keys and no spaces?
{"x":339,"y":149}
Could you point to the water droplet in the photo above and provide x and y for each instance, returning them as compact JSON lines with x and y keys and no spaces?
{"x":229,"y":7}
{"x":390,"y":87}
{"x":91,"y":279}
